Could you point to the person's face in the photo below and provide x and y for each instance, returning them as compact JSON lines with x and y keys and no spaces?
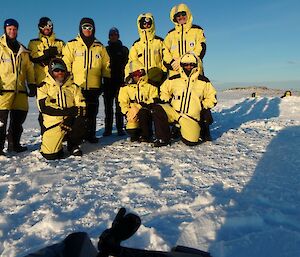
{"x":188,"y":66}
{"x":114,"y":37}
{"x":46,"y":31}
{"x":87,"y":30}
{"x":11,"y":32}
{"x":181,"y":17}
{"x":137,"y":75}
{"x":147,"y":25}
{"x":59,"y":75}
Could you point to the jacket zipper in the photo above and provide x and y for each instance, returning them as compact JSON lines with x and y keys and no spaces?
{"x":147,"y":49}
{"x":87,"y":68}
{"x":187,"y":90}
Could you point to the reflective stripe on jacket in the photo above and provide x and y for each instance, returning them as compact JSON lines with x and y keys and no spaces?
{"x":88,"y":65}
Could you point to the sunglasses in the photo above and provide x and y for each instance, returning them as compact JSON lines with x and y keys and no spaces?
{"x":59,"y":70}
{"x":189,"y":64}
{"x":48,"y":26}
{"x":183,"y":13}
{"x":86,"y":27}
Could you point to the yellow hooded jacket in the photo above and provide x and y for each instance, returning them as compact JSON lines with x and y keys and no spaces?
{"x":37,"y":47}
{"x":189,"y":94}
{"x":133,"y":94}
{"x":184,"y":38}
{"x":59,"y":97}
{"x":88,"y":65}
{"x":149,"y":48}
{"x":15,"y":72}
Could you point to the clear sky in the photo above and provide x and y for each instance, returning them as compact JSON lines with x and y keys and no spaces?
{"x":253,"y":42}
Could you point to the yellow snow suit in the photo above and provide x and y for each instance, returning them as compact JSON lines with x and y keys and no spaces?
{"x":59,"y":97}
{"x":187,"y":95}
{"x":15,"y":72}
{"x":131,"y":95}
{"x":183,"y":38}
{"x":149,"y":48}
{"x":88,"y":65}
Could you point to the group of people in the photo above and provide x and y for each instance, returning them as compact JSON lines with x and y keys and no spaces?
{"x":158,"y":83}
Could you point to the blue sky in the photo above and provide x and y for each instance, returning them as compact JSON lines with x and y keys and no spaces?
{"x":248,"y":42}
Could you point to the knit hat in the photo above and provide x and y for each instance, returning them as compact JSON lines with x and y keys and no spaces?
{"x":113,"y":30}
{"x":11,"y":22}
{"x":189,"y":58}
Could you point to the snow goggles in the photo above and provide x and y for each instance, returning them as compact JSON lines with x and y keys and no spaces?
{"x":59,"y":70}
{"x":189,"y":64}
{"x":49,"y":25}
{"x":87,"y":27}
{"x":138,"y":73}
{"x":183,"y":13}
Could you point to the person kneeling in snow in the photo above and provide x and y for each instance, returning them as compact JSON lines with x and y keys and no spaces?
{"x":186,"y":96}
{"x":135,"y":98}
{"x":63,"y":108}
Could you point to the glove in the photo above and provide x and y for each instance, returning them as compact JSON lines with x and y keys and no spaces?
{"x":81,"y":111}
{"x":32,"y":90}
{"x":206,"y":116}
{"x":132,"y":113}
{"x":53,"y":51}
{"x":66,"y":125}
{"x":175,"y":64}
{"x":47,"y":54}
{"x":123,"y":227}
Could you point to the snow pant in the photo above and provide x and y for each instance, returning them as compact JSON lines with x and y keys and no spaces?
{"x":189,"y":127}
{"x":109,"y":99}
{"x":92,"y":107}
{"x":53,"y":137}
{"x":141,"y":128}
{"x":17,"y":118}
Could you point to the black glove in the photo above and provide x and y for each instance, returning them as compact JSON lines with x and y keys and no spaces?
{"x":81,"y":111}
{"x":66,"y":125}
{"x":53,"y":51}
{"x":32,"y":90}
{"x":206,"y":116}
{"x":47,"y":54}
{"x":123,"y":227}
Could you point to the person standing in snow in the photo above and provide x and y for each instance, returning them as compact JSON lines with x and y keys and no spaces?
{"x":44,"y":48}
{"x":63,"y":108}
{"x":16,"y":70}
{"x":185,"y":37}
{"x":149,"y":50}
{"x":88,"y":61}
{"x":135,"y":99}
{"x":118,"y":59}
{"x":185,"y":95}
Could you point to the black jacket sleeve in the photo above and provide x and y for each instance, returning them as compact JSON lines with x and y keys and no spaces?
{"x":71,"y":111}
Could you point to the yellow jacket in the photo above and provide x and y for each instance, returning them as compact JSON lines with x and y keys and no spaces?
{"x":58,"y":97}
{"x":149,"y":48}
{"x":15,"y":72}
{"x":88,"y":65}
{"x":37,"y":47}
{"x":184,"y":38}
{"x":132,"y":95}
{"x":188,"y":95}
